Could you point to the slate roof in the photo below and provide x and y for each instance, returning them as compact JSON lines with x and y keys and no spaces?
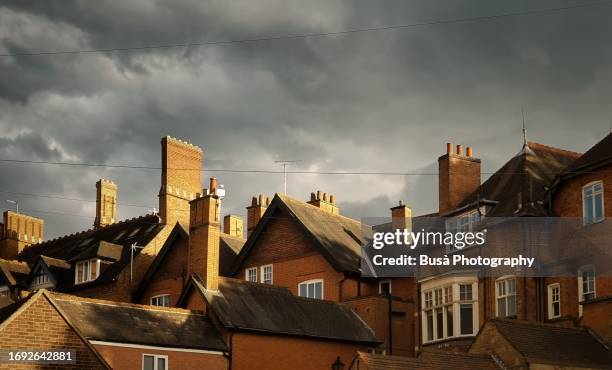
{"x":90,"y":243}
{"x":229,"y":249}
{"x":599,"y":154}
{"x":338,"y":238}
{"x":255,"y":307}
{"x":555,"y":345}
{"x":529,"y":172}
{"x":14,"y":272}
{"x":145,"y":325}
{"x":428,"y":360}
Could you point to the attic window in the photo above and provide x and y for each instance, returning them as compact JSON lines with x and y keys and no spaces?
{"x":119,"y":236}
{"x":162,"y":300}
{"x":311,"y":289}
{"x":134,"y":232}
{"x":592,"y":199}
{"x":251,"y":274}
{"x":40,"y":278}
{"x":86,"y":271}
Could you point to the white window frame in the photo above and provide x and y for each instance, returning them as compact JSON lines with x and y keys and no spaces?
{"x":440,"y":301}
{"x":157,"y":297}
{"x":263,"y":274}
{"x":386,"y":281}
{"x":551,"y":301}
{"x":505,"y":295}
{"x":5,"y":291}
{"x":313,"y":281}
{"x":580,"y":286}
{"x":592,"y":185}
{"x":155,"y":357}
{"x":87,"y":273}
{"x":246,"y":274}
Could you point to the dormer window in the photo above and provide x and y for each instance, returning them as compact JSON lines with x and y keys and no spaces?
{"x":86,"y":271}
{"x":593,"y":203}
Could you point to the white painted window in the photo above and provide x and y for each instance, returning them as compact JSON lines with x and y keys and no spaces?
{"x":593,"y":203}
{"x":384,"y":287}
{"x":505,"y":294}
{"x":154,"y":362}
{"x":554,"y":301}
{"x":449,"y":310}
{"x":586,"y":285}
{"x":311,"y":289}
{"x":251,"y":274}
{"x":86,"y":271}
{"x":162,"y":300}
{"x":266,"y":274}
{"x":466,"y":222}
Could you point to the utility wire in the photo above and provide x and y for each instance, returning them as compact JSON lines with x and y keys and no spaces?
{"x":314,"y":34}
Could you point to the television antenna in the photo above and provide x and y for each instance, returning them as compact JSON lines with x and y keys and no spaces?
{"x":286,"y":163}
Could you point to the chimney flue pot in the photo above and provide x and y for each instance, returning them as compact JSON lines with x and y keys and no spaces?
{"x":459,"y":149}
{"x":469,"y":151}
{"x":449,"y":148}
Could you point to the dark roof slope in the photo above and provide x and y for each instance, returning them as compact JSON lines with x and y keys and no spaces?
{"x":229,"y":249}
{"x":338,"y":238}
{"x":136,"y":324}
{"x":14,"y":272}
{"x":527,"y":173}
{"x":540,"y":343}
{"x":599,"y":154}
{"x":242,"y":305}
{"x":428,"y":360}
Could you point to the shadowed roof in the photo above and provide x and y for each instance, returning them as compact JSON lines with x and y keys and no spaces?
{"x":540,"y":343}
{"x":427,"y":360}
{"x":129,"y":323}
{"x":599,"y":154}
{"x":246,"y":306}
{"x":14,"y":272}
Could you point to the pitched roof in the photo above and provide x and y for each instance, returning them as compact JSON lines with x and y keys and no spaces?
{"x":548,"y":344}
{"x":14,"y":272}
{"x":338,"y":238}
{"x":136,"y":324}
{"x":229,"y":249}
{"x":427,"y":360}
{"x":528,"y":173}
{"x":91,"y":243}
{"x":256,"y":307}
{"x":599,"y":154}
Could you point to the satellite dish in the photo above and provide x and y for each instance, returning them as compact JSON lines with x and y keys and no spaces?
{"x":220,"y":192}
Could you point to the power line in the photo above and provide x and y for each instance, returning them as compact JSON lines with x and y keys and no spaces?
{"x":314,"y":34}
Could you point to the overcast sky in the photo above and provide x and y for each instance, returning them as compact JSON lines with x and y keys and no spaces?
{"x":373,"y":101}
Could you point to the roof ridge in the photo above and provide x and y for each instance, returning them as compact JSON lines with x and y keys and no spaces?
{"x":305,"y":203}
{"x":552,"y":148}
{"x":72,"y":298}
{"x":538,"y":324}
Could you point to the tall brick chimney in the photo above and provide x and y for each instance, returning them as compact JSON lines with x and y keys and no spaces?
{"x":106,"y":203}
{"x":255,"y":211}
{"x":321,"y":200}
{"x":459,"y":176}
{"x":180,"y":180}
{"x":401,"y":217}
{"x":204,"y":233}
{"x":233,"y":225}
{"x":19,"y":231}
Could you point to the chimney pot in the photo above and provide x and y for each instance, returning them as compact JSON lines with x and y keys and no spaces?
{"x":325,"y":197}
{"x":332,"y":199}
{"x":469,"y":152}
{"x":261,"y":200}
{"x":254,"y":201}
{"x":318,"y":194}
{"x":313,"y":196}
{"x":459,"y":149}
{"x":213,"y":185}
{"x":401,"y":202}
{"x":267,"y":201}
{"x":449,"y":148}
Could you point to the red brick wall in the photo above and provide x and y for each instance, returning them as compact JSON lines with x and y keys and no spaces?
{"x":567,"y":202}
{"x":489,"y":341}
{"x":459,"y":176}
{"x":26,"y":331}
{"x":598,"y":317}
{"x":263,"y":352}
{"x":131,"y":358}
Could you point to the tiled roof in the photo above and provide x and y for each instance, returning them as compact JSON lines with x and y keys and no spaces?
{"x":230,"y":247}
{"x":556,"y":345}
{"x":428,"y":360}
{"x":90,"y":243}
{"x":599,"y":154}
{"x":136,"y":324}
{"x":338,"y":238}
{"x":256,"y":307}
{"x":528,"y":173}
{"x":14,"y":272}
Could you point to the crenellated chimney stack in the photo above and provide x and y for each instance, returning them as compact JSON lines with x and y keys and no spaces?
{"x":204,"y":233}
{"x":19,"y":231}
{"x":256,"y":211}
{"x":458,"y":177}
{"x":233,"y":226}
{"x":106,"y":203}
{"x":322,"y":201}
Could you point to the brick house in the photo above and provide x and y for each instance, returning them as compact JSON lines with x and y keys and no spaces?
{"x":106,"y":334}
{"x":315,"y":252}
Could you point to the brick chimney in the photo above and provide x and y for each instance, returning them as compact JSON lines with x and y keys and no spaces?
{"x":204,"y":233}
{"x":180,"y":180}
{"x":321,"y":200}
{"x":459,"y":176}
{"x":106,"y":203}
{"x":233,"y":226}
{"x":255,"y":211}
{"x":401,"y":217}
{"x":19,"y":231}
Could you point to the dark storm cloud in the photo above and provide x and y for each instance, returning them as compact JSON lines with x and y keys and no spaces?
{"x":378,"y":101}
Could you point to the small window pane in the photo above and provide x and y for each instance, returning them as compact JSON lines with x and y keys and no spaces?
{"x":449,"y":321}
{"x":303,"y":290}
{"x":439,"y":324}
{"x":467,"y":319}
{"x":161,"y":363}
{"x":430,"y":325}
{"x":148,"y":363}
